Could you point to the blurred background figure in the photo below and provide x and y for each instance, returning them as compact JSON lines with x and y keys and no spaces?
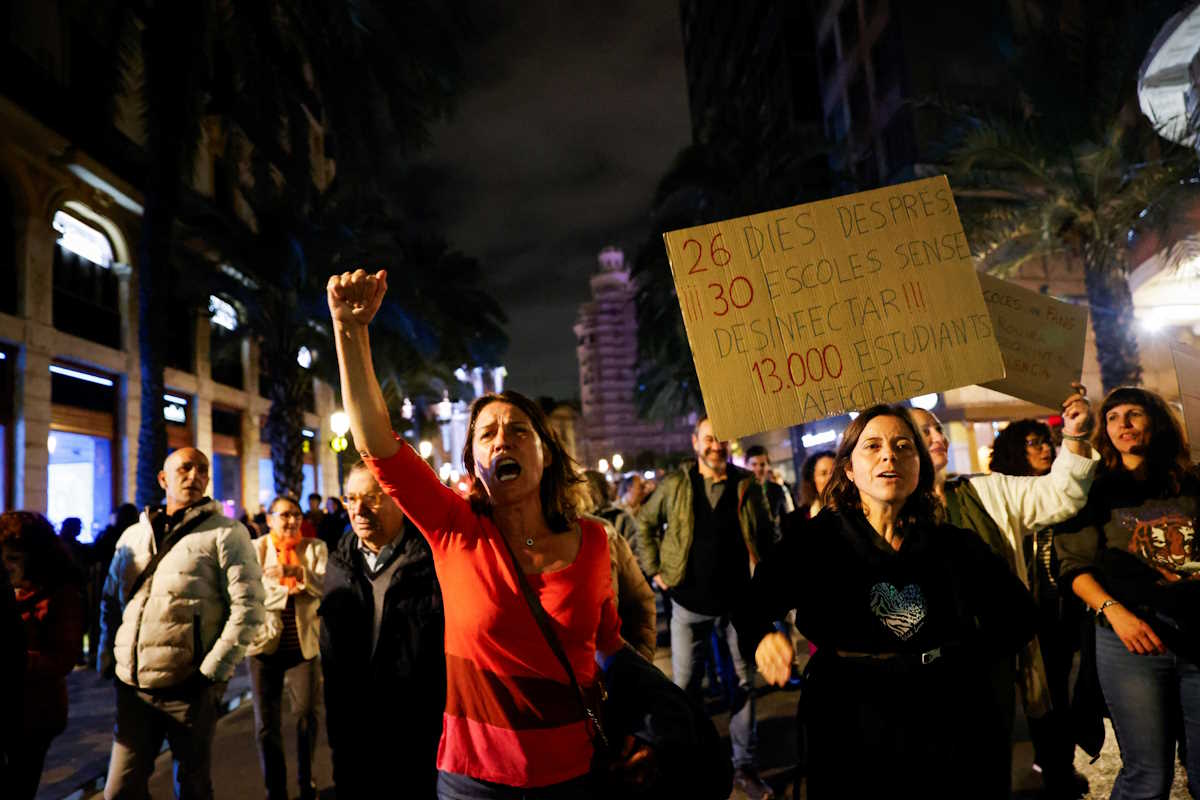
{"x":814,"y":476}
{"x":333,"y":523}
{"x":635,"y":598}
{"x":779,"y":502}
{"x":47,"y":585}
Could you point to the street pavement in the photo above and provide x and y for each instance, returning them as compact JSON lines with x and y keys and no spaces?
{"x":77,"y":760}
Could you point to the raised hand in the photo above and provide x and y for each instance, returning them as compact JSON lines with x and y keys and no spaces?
{"x":1077,"y":413}
{"x":354,"y":297}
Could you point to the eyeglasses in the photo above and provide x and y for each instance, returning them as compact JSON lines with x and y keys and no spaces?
{"x":371,"y":500}
{"x":1035,"y":441}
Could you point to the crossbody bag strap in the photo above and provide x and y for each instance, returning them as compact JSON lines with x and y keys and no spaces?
{"x":176,"y":535}
{"x":543,"y":622}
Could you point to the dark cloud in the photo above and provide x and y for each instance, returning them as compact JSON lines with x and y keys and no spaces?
{"x":573,"y":115}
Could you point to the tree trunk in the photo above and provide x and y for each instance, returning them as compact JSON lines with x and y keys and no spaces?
{"x":285,"y":420}
{"x":1111,"y":304}
{"x":170,"y":139}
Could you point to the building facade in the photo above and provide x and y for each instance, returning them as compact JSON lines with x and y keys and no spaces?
{"x":606,"y":346}
{"x":70,"y":223}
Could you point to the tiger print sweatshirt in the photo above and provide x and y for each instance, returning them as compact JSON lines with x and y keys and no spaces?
{"x":852,"y":592}
{"x":1139,"y":540}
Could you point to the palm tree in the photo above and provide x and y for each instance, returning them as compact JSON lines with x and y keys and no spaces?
{"x":1075,"y":170}
{"x":375,"y":73}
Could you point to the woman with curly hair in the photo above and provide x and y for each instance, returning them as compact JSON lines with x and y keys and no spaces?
{"x":1133,"y":557}
{"x":906,"y":612}
{"x":516,"y":722}
{"x":1025,"y":448}
{"x":47,"y":584}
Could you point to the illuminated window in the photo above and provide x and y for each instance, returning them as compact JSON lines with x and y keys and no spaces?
{"x":222,"y":313}
{"x":86,"y":288}
{"x":82,"y":240}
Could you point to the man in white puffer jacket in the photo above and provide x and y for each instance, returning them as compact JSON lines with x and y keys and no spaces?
{"x":173,"y":638}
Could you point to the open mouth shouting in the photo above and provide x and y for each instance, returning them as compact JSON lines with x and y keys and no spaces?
{"x":888,"y":475}
{"x":507,"y":469}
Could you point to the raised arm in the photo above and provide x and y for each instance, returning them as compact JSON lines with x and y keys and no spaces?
{"x":354,"y":298}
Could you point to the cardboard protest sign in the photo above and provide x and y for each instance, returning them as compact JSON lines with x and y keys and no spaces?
{"x":1040,"y":338}
{"x":810,"y":311}
{"x":1187,"y":369}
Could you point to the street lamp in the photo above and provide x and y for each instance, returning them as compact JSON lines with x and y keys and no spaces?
{"x":602,"y":465}
{"x":617,"y":462}
{"x":444,"y":471}
{"x":339,"y":423}
{"x":426,"y":449}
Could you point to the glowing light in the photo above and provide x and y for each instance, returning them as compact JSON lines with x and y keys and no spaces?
{"x":816,"y":439}
{"x":82,"y":376}
{"x":307,"y":434}
{"x":304,"y":357}
{"x":51,"y":444}
{"x":338,"y":444}
{"x":852,"y":414}
{"x":339,"y":422}
{"x":176,"y":399}
{"x":648,"y":474}
{"x":617,"y":461}
{"x":82,"y":240}
{"x":223,"y":313}
{"x":425,"y":448}
{"x":406,"y":409}
{"x":602,"y":465}
{"x":444,"y":472}
{"x":924,"y":401}
{"x":174,"y":413}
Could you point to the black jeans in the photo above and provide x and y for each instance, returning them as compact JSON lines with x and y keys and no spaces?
{"x":303,"y":679}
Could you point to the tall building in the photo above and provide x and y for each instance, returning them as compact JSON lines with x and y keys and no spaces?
{"x":606,"y":346}
{"x":749,"y":67}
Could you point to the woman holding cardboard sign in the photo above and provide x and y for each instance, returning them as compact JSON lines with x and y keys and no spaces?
{"x":906,"y":612}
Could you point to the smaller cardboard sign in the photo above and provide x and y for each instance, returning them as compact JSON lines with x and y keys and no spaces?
{"x":1040,"y":338}
{"x":1187,"y":369}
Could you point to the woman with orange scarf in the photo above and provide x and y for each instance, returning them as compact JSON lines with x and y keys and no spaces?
{"x":286,"y":650}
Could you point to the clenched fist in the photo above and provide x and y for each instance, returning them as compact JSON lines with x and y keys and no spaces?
{"x":1077,"y":413}
{"x":355,"y":297}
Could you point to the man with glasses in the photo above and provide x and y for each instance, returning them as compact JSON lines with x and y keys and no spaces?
{"x":382,"y":650}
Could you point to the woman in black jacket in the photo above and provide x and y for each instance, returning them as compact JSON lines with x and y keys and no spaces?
{"x":907,"y":615}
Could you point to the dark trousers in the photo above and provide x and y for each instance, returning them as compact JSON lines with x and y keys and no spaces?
{"x":1053,"y":739}
{"x":143,"y":721}
{"x":459,"y":787}
{"x":268,"y":676}
{"x":27,"y":756}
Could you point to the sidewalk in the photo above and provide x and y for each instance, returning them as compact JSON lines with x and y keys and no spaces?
{"x":78,"y":759}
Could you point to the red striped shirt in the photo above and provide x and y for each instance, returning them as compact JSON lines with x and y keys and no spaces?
{"x":511,"y":716}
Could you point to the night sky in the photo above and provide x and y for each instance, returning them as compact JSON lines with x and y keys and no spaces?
{"x":574,"y":112}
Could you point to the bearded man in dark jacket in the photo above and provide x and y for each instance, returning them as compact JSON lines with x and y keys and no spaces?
{"x":382,"y":651}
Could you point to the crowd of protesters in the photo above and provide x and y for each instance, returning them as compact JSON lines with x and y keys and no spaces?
{"x":501,"y":644}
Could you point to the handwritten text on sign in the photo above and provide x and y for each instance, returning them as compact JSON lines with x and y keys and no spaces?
{"x":1040,"y":338}
{"x":814,"y":310}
